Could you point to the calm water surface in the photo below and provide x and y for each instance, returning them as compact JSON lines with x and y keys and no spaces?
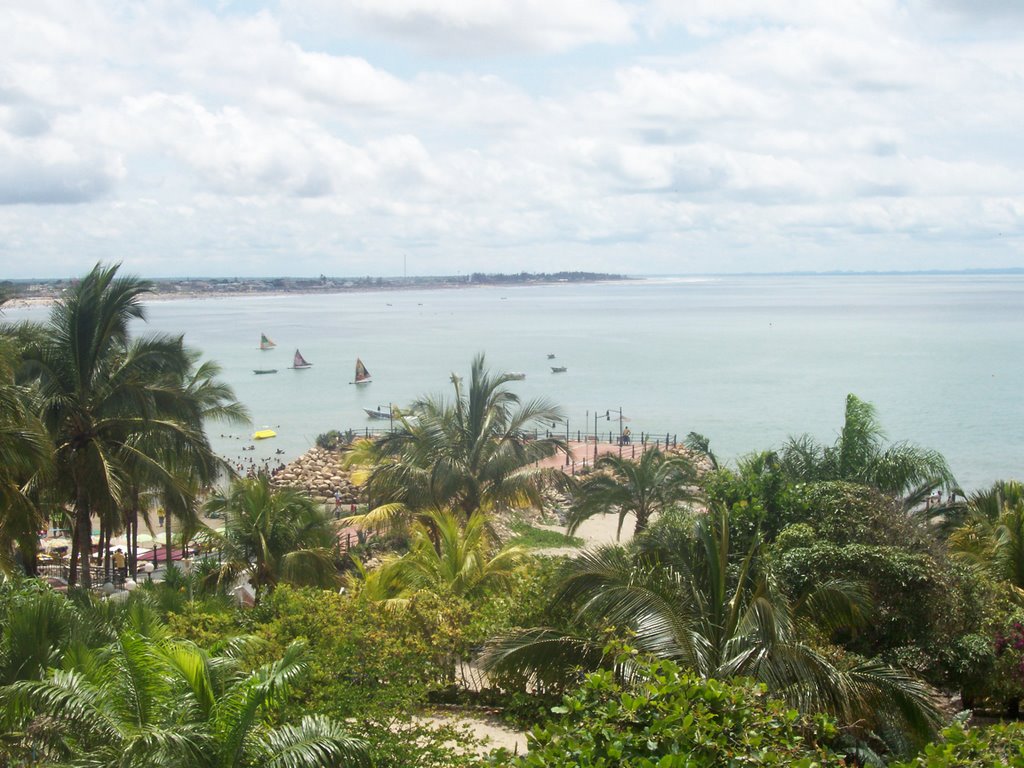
{"x":746,"y":361}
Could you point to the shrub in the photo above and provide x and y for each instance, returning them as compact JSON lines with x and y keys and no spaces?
{"x":334,"y":440}
{"x":670,"y":718}
{"x":996,"y":746}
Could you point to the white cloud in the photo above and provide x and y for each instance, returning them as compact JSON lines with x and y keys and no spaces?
{"x":481,"y":27}
{"x":745,"y":135}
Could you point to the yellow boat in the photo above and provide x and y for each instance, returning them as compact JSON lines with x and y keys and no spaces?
{"x":263,"y":434}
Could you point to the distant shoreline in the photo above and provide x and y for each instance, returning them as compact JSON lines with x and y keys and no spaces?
{"x":43,"y":293}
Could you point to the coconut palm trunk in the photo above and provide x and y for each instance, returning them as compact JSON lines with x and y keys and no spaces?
{"x":83,"y":541}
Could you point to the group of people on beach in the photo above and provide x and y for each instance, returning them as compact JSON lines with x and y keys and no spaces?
{"x":250,"y":467}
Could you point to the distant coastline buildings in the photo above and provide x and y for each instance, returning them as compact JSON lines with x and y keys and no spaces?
{"x":248,"y":286}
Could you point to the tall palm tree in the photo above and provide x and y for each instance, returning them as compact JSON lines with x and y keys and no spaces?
{"x":860,"y":455}
{"x":473,"y":452}
{"x":645,"y":487}
{"x":103,"y":395}
{"x":190,"y":462}
{"x":992,"y":536}
{"x":149,"y":701}
{"x":274,"y":535}
{"x":687,"y":597}
{"x":449,"y":557}
{"x":25,"y":454}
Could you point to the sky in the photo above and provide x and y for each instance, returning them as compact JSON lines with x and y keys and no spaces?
{"x":382,"y":137}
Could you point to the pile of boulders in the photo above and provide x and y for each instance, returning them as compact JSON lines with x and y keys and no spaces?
{"x":319,"y":473}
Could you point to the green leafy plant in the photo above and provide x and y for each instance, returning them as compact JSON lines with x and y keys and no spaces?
{"x":995,"y":746}
{"x":670,"y":718}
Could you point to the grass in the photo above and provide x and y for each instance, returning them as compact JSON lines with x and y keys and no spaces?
{"x":539,"y":538}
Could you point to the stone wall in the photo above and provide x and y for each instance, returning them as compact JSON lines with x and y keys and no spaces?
{"x":319,"y":473}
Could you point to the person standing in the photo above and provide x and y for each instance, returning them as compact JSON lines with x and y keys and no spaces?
{"x":120,"y":565}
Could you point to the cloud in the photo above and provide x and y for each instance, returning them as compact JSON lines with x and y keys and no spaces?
{"x":316,"y":137}
{"x":482,"y":27}
{"x":49,"y":180}
{"x":984,"y":9}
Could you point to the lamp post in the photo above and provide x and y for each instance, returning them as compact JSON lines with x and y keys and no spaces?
{"x":608,"y":417}
{"x":148,"y":569}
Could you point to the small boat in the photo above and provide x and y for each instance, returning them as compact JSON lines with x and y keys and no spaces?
{"x":379,"y":414}
{"x":300,"y":363}
{"x":551,"y":356}
{"x":263,"y":434}
{"x":516,"y":376}
{"x":264,"y":370}
{"x":558,"y":369}
{"x":362,"y":375}
{"x":266,"y":343}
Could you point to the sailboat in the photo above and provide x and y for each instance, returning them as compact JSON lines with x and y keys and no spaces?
{"x":299,"y":362}
{"x":362,"y":375}
{"x":266,"y":343}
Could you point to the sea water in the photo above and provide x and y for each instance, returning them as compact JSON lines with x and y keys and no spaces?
{"x":746,"y":361}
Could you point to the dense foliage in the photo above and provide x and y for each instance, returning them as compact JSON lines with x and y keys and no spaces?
{"x":995,"y":746}
{"x":669,"y":718}
{"x":807,"y":606}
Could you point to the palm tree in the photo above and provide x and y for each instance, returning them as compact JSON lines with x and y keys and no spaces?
{"x":448,"y":557}
{"x":655,"y":482}
{"x":701,"y":446}
{"x":36,"y":628}
{"x":859,"y":455}
{"x":190,"y":462}
{"x":104,"y":397}
{"x":475,"y":452}
{"x":992,"y":537}
{"x":685,"y":596}
{"x":25,"y":454}
{"x":274,"y":535}
{"x":150,"y":701}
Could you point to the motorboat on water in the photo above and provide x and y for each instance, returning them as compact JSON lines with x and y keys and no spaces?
{"x":516,"y":376}
{"x":380,"y":414}
{"x":264,"y":370}
{"x":558,"y":369}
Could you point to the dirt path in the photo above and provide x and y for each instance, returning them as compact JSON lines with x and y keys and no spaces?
{"x":489,"y":729}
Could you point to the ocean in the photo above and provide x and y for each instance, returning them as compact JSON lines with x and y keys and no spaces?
{"x":746,"y":361}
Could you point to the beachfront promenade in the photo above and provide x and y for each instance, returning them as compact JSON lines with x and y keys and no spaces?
{"x":583,"y":453}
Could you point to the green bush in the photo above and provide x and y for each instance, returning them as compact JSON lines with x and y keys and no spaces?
{"x":334,"y":440}
{"x":848,"y":513}
{"x":996,"y":746}
{"x":669,"y":718}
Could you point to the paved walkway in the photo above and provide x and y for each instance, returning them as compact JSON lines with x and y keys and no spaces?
{"x":582,"y":454}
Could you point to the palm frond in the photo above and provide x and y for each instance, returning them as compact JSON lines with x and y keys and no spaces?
{"x":315,"y":741}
